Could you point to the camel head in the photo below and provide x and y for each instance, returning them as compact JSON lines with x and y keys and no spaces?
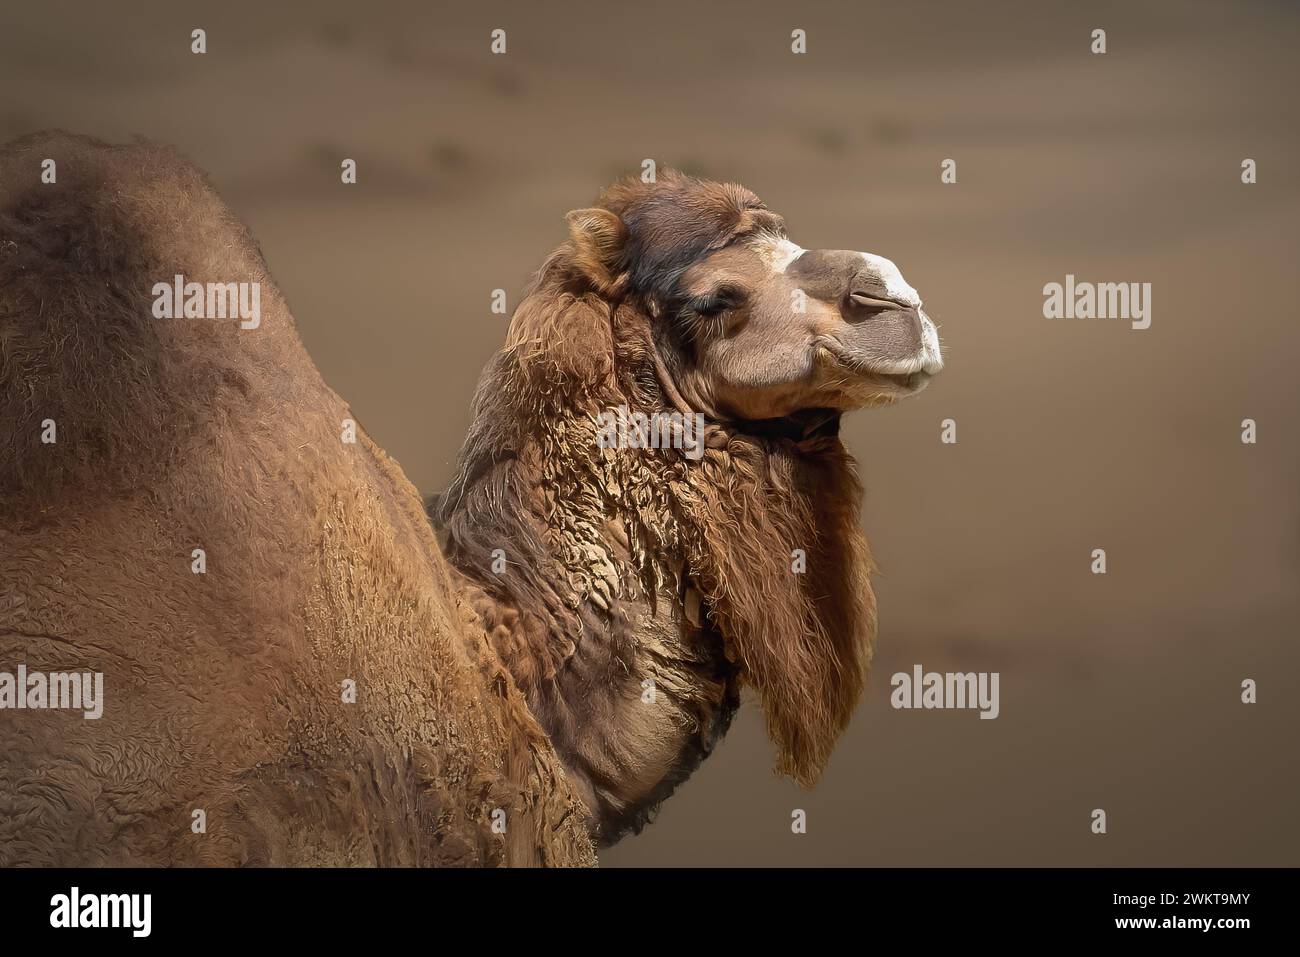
{"x":741,"y":565}
{"x":748,"y":324}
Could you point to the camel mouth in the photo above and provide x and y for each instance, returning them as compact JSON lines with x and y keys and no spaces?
{"x":908,"y":383}
{"x":897,"y":384}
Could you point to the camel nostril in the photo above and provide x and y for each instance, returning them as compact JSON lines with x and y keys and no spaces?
{"x":873,"y":304}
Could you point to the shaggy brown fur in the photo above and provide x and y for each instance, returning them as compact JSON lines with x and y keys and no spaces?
{"x":573,"y":690}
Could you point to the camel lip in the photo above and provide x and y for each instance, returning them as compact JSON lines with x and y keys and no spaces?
{"x":909,"y":383}
{"x":903,"y":383}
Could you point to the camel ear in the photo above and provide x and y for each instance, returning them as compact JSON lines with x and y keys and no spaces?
{"x":597,"y":236}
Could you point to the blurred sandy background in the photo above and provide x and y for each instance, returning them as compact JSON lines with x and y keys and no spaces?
{"x":1119,"y":692}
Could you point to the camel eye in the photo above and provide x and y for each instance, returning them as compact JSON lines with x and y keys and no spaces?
{"x":718,"y":301}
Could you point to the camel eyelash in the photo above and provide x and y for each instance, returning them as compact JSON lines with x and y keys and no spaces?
{"x":707,"y":315}
{"x":718,"y":301}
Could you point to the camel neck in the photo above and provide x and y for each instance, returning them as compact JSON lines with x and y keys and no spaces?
{"x":572,"y":560}
{"x":632,"y":703}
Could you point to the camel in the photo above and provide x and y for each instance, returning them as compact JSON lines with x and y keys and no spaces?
{"x":303,"y":662}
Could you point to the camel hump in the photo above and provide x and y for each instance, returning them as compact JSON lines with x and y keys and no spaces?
{"x":103,"y":373}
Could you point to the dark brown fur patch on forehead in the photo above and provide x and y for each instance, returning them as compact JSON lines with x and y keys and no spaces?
{"x":673,"y":222}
